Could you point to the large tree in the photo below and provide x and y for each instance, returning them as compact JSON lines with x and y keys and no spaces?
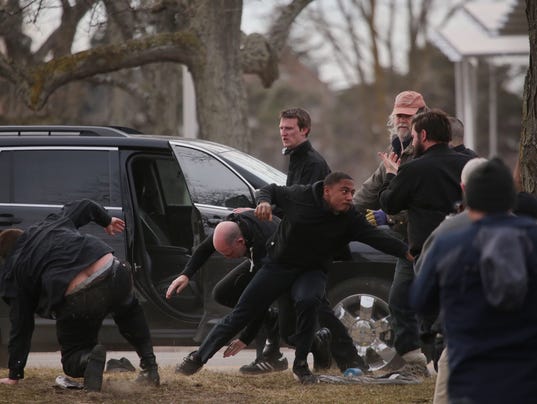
{"x":204,"y":35}
{"x":528,"y":139}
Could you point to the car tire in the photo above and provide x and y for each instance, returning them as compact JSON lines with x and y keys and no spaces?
{"x":361,"y":304}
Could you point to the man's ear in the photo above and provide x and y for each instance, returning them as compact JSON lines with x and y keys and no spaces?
{"x":423,"y":135}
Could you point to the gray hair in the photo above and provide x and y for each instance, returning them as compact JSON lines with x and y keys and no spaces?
{"x":470,"y":167}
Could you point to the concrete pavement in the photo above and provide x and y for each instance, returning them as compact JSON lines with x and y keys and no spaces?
{"x":166,"y":356}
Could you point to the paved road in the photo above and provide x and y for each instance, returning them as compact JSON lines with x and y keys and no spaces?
{"x":166,"y":356}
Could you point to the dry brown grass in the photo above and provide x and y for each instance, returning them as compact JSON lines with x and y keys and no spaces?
{"x":211,"y":387}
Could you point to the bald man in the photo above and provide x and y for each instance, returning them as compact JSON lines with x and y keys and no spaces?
{"x":240,"y":235}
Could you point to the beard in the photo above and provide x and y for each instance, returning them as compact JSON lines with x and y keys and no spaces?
{"x":418,"y":150}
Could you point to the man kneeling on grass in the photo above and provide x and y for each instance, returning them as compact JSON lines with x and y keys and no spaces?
{"x":55,"y":271}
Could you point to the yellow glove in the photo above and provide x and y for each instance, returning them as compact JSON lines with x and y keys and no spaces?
{"x":376,"y":217}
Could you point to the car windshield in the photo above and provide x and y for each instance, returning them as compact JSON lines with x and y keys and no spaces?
{"x":253,"y":170}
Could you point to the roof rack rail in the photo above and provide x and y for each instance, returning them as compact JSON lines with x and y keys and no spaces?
{"x":66,"y":130}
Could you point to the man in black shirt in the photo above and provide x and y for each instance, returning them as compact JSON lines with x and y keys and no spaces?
{"x":240,"y":235}
{"x":318,"y":220}
{"x":306,"y":165}
{"x":57,"y":272}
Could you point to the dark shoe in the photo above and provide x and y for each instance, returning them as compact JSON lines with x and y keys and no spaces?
{"x":322,"y":356}
{"x":119,"y":365}
{"x":265,"y":365}
{"x":93,"y":375}
{"x":272,"y":350}
{"x":302,"y":373}
{"x":149,"y":377}
{"x":190,"y":365}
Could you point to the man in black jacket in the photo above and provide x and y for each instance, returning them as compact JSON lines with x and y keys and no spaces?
{"x":306,"y":165}
{"x":427,"y":187}
{"x":55,"y":271}
{"x":240,"y":235}
{"x":318,"y":220}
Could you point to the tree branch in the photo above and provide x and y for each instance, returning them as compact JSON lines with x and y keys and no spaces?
{"x":43,"y":79}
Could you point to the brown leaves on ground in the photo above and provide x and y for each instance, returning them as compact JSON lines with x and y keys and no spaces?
{"x":211,"y":387}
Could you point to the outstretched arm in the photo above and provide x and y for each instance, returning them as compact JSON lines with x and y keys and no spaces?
{"x":200,"y":256}
{"x":116,"y":226}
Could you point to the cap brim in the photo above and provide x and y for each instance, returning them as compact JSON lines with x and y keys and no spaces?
{"x":405,"y":111}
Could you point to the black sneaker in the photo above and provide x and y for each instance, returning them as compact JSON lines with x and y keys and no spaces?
{"x":190,"y":365}
{"x":148,"y":377}
{"x":322,"y":356}
{"x":265,"y":365}
{"x":302,"y":373}
{"x":93,"y":375}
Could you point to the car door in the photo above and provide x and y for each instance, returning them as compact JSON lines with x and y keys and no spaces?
{"x":37,"y":181}
{"x":216,"y":190}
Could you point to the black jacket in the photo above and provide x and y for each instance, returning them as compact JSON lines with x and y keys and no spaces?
{"x":256,"y":233}
{"x":306,"y":165}
{"x":427,"y":187}
{"x":310,"y":233}
{"x":37,"y":273}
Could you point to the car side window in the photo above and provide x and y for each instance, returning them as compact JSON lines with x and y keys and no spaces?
{"x":54,"y":177}
{"x":211,"y":182}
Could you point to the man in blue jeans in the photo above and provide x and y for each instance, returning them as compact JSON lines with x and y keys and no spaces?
{"x":57,"y":272}
{"x":318,"y":220}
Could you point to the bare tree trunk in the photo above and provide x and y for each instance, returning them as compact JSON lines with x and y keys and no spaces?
{"x":528,"y":138}
{"x":220,"y":90}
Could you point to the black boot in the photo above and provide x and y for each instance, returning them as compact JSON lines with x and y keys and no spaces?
{"x":322,"y":356}
{"x":149,"y":372}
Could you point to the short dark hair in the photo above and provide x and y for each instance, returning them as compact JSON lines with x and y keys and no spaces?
{"x":301,"y":115}
{"x":335,"y":177}
{"x":457,"y":127}
{"x":8,"y":239}
{"x":436,"y":123}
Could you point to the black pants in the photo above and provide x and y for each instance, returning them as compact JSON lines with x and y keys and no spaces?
{"x":272,"y":280}
{"x":228,"y":291}
{"x":80,"y":317}
{"x":342,"y":346}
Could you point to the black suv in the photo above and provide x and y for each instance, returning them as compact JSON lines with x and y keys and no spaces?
{"x":171,"y":192}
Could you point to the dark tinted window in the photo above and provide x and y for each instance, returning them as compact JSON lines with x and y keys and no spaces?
{"x":211,"y":182}
{"x":5,"y":176}
{"x":57,"y":176}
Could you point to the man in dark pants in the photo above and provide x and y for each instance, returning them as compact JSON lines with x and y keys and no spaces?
{"x":250,"y":236}
{"x":318,"y":220}
{"x":428,"y":187}
{"x":240,"y":235}
{"x":307,"y":166}
{"x":55,"y":271}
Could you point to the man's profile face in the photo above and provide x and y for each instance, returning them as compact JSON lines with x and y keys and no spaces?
{"x":236,"y":249}
{"x":339,"y":195}
{"x":291,"y":134}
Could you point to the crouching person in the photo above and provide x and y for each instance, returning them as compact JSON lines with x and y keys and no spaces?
{"x":57,"y":272}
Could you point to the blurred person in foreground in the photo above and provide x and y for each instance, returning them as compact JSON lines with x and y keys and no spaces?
{"x":59,"y":273}
{"x":483,"y":278}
